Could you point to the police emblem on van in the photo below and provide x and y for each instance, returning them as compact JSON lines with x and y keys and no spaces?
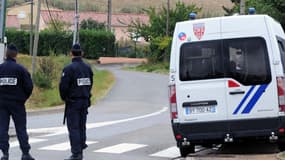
{"x":182,"y":36}
{"x":199,"y":30}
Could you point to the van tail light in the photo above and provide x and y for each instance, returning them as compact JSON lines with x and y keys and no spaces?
{"x":173,"y":103}
{"x":281,"y":93}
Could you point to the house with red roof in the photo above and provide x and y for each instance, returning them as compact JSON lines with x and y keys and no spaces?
{"x":13,"y":22}
{"x":119,"y":22}
{"x":18,"y":17}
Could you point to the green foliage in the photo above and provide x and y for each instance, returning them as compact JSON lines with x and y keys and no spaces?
{"x":155,"y":31}
{"x":46,"y":94}
{"x":42,"y":81}
{"x":94,"y":43}
{"x":157,"y":22}
{"x":11,"y":3}
{"x":97,"y":43}
{"x":69,"y":5}
{"x":20,"y":38}
{"x":57,"y":25}
{"x":45,"y":74}
{"x":274,"y":8}
{"x":57,"y":42}
{"x":92,"y":24}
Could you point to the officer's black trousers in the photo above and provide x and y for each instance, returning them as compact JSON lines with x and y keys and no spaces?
{"x":18,"y":113}
{"x":76,"y":116}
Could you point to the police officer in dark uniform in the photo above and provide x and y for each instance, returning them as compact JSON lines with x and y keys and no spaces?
{"x":75,"y":87}
{"x":15,"y":88}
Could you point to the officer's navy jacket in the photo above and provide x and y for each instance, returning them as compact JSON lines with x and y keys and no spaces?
{"x":15,"y":82}
{"x":76,"y":81}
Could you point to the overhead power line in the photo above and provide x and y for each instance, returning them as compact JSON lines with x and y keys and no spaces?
{"x":51,"y":16}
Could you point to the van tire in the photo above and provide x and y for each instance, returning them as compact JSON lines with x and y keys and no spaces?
{"x":184,"y":151}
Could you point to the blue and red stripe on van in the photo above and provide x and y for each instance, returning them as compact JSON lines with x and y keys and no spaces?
{"x":257,"y":95}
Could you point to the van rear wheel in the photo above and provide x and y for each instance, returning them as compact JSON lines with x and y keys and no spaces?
{"x":184,"y":151}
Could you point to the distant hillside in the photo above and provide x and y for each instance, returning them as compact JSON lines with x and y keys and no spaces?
{"x":213,"y":7}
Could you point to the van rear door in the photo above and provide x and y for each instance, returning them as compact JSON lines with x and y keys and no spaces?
{"x":201,"y":89}
{"x":250,"y":93}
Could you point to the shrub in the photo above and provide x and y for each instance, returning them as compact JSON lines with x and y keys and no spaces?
{"x":45,"y":74}
{"x":42,"y":80}
{"x":94,"y":43}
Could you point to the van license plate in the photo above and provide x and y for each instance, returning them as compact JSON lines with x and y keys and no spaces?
{"x":202,"y":109}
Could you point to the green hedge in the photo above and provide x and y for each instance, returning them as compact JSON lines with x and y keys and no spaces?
{"x":94,"y":43}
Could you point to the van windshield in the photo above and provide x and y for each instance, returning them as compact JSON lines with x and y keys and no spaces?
{"x":243,"y":59}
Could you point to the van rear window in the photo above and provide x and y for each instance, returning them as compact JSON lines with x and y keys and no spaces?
{"x":243,"y":59}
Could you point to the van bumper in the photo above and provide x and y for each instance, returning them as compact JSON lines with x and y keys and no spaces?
{"x":215,"y":132}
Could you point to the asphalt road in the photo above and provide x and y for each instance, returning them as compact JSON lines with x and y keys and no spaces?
{"x":131,"y":123}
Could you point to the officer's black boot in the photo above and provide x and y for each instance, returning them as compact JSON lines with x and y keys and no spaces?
{"x":85,"y":146}
{"x":27,"y":156}
{"x":5,"y":155}
{"x":75,"y":157}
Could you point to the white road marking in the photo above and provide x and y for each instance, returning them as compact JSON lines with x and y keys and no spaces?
{"x":121,"y":148}
{"x":63,"y":146}
{"x":171,"y":152}
{"x":54,"y":131}
{"x":31,"y":141}
{"x":199,"y":148}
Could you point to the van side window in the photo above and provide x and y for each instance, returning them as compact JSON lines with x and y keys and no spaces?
{"x":282,"y":52}
{"x":243,"y":59}
{"x":248,"y":60}
{"x":202,"y":60}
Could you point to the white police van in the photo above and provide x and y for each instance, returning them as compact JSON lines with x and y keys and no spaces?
{"x":227,"y":81}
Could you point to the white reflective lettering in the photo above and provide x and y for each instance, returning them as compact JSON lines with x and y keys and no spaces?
{"x":83,"y":82}
{"x":6,"y":81}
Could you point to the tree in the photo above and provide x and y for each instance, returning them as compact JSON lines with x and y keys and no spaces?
{"x":274,"y":8}
{"x":91,"y":24}
{"x":155,"y":31}
{"x":57,"y":25}
{"x":234,"y":9}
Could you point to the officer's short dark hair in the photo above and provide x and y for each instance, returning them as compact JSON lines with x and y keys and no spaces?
{"x":12,"y":51}
{"x":76,"y":50}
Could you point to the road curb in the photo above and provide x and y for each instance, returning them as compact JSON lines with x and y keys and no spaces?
{"x":279,"y":156}
{"x":12,"y":132}
{"x":46,"y":110}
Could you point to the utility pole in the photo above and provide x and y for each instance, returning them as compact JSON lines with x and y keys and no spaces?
{"x":109,"y":19}
{"x":36,"y":40}
{"x":31,"y":27}
{"x":167,"y":18}
{"x":2,"y":20}
{"x":76,"y":24}
{"x":242,"y":7}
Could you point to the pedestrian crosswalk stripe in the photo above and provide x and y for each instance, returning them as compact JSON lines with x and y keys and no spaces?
{"x":199,"y":148}
{"x":63,"y":146}
{"x":31,"y":141}
{"x":121,"y":148}
{"x":171,"y":152}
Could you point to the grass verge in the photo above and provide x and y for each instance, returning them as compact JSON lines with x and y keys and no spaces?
{"x":162,"y":68}
{"x":280,"y":156}
{"x":49,"y":97}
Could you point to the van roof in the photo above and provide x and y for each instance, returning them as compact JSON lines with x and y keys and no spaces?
{"x":244,"y":23}
{"x":236,"y":18}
